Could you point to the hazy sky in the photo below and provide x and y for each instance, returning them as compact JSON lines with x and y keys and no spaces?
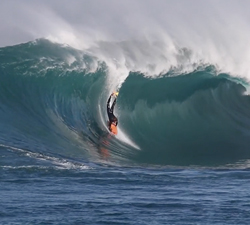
{"x":90,"y":20}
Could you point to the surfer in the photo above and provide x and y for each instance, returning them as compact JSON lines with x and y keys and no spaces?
{"x":113,"y":122}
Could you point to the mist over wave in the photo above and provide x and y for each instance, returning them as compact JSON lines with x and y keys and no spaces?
{"x":155,"y":32}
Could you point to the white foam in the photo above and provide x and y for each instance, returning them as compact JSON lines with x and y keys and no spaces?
{"x":59,"y":162}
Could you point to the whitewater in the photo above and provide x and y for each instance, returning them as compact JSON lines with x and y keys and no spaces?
{"x":181,"y":155}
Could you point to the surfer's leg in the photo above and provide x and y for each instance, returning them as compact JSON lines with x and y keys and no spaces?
{"x":113,"y":105}
{"x":109,"y":110}
{"x":108,"y":101}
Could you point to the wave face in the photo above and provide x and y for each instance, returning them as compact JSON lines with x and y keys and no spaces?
{"x":53,"y":101}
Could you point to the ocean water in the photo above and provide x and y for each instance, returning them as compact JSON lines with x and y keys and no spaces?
{"x":181,"y":155}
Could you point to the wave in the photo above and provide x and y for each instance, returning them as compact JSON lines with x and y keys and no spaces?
{"x":194,"y":118}
{"x":53,"y":101}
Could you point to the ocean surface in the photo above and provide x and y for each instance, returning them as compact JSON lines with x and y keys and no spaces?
{"x":181,"y":155}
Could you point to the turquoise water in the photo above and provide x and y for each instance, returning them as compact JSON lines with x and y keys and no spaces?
{"x":181,"y":155}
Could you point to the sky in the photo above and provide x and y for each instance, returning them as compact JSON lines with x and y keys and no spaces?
{"x":86,"y":21}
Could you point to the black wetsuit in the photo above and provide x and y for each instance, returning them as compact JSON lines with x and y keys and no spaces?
{"x":111,"y":110}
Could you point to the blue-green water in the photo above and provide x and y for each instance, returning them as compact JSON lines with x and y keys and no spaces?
{"x":181,"y":155}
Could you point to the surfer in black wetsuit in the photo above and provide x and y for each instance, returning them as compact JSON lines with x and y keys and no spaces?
{"x":113,"y":121}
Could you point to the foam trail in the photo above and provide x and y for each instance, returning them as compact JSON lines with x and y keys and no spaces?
{"x":123,"y":137}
